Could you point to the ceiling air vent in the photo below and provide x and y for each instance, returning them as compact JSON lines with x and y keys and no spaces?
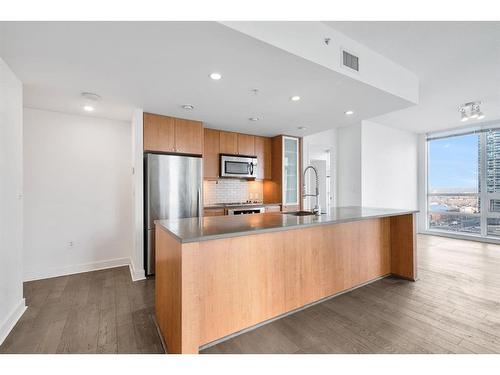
{"x":350,"y":60}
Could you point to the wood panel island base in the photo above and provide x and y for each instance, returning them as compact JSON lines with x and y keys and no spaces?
{"x":219,"y":275}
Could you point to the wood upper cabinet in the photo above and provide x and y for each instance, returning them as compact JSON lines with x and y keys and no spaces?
{"x":246,"y":144}
{"x":211,"y":153}
{"x":170,"y":134}
{"x":159,"y":133}
{"x":263,"y":153}
{"x":188,"y":136}
{"x":218,"y":142}
{"x":228,"y":142}
{"x":285,"y":185}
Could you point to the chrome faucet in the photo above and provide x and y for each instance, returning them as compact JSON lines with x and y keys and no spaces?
{"x":316,"y":210}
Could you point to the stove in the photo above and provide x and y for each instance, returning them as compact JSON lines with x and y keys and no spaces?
{"x":242,"y":208}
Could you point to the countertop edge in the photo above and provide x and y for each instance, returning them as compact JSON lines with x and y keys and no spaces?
{"x":280,"y":229}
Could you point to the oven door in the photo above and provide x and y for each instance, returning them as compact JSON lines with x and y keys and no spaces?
{"x":234,"y":166}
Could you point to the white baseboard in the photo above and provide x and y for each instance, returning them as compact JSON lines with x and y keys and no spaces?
{"x":78,"y":268}
{"x":136,"y":274}
{"x":12,"y":319}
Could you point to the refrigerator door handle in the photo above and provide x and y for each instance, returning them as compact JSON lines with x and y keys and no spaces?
{"x":199,"y":203}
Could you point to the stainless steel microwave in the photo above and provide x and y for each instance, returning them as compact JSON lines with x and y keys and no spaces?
{"x":238,"y":166}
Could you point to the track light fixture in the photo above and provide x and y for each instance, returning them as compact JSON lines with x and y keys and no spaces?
{"x":474,"y":110}
{"x":463,"y":115}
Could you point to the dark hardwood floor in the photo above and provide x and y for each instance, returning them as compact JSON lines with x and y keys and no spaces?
{"x":453,"y":308}
{"x":92,"y":312}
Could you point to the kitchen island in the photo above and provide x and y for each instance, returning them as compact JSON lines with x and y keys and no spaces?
{"x":216,"y":276}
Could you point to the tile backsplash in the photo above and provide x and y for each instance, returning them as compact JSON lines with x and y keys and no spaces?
{"x":231,"y":190}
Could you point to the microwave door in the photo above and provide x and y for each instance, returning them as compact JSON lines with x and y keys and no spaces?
{"x":236,"y":168}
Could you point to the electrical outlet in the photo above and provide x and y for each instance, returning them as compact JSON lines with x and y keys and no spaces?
{"x":71,"y":244}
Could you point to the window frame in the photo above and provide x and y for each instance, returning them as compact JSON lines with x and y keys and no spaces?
{"x":483,"y":195}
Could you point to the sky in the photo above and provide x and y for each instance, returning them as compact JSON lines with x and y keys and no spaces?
{"x":453,"y":163}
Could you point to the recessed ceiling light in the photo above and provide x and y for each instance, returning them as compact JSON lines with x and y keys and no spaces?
{"x":188,"y":107}
{"x":295,"y":98}
{"x":301,"y":127}
{"x":88,"y":108}
{"x":253,"y":118}
{"x":349,"y":112}
{"x":216,"y":76}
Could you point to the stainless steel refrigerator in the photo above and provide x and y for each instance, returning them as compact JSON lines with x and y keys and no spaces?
{"x":173,"y":189}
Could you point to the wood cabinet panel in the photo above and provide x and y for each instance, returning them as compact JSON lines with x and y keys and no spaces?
{"x":249,"y":288}
{"x":168,"y":288}
{"x":403,"y":239}
{"x":267,"y":158}
{"x":273,"y":188}
{"x":211,"y":153}
{"x":246,"y":144}
{"x":228,"y":142}
{"x":188,"y":136}
{"x":170,"y":134}
{"x":214,"y":212}
{"x":159,"y":133}
{"x":263,"y":153}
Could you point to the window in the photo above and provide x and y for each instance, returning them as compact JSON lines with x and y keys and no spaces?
{"x":463,"y":183}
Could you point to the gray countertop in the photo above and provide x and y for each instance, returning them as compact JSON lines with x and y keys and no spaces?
{"x":197,"y":229}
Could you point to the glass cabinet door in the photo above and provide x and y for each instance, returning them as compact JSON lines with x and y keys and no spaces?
{"x":290,"y":171}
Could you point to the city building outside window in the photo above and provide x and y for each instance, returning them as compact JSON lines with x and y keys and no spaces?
{"x":463,"y":183}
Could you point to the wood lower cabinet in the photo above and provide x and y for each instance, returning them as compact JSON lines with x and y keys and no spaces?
{"x":170,"y":134}
{"x":246,"y":144}
{"x":228,"y":142}
{"x":211,"y":153}
{"x":214,"y":212}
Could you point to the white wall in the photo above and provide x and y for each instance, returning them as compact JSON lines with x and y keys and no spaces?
{"x":389,"y":167}
{"x":377,"y":166}
{"x":77,"y":189}
{"x":12,"y":303}
{"x":137,"y":252}
{"x":313,"y":143}
{"x":349,"y":166}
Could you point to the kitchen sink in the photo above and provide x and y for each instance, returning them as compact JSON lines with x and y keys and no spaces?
{"x":299,"y":213}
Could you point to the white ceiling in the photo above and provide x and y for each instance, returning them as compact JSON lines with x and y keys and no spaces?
{"x":456,"y":62}
{"x":158,"y":66}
